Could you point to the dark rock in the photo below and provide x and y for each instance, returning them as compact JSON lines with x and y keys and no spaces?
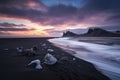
{"x":98,"y":32}
{"x":118,"y":32}
{"x":90,"y":31}
{"x":93,"y":32}
{"x":69,"y":34}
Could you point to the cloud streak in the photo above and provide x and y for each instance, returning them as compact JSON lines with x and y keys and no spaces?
{"x":15,"y":29}
{"x":11,"y":25}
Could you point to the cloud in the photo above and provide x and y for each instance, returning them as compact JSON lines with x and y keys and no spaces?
{"x":22,"y":4}
{"x":3,"y":33}
{"x":54,"y":16}
{"x":15,"y":29}
{"x":54,"y":33}
{"x":97,"y":12}
{"x":114,"y":18}
{"x":19,"y":13}
{"x":62,"y":10}
{"x":101,"y":6}
{"x":5,"y":24}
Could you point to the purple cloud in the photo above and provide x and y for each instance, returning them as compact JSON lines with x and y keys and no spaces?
{"x":11,"y":25}
{"x":92,"y":12}
{"x":15,"y":29}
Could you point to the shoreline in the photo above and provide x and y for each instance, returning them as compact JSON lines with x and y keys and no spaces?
{"x":105,"y":57}
{"x":14,"y":66}
{"x":99,"y":40}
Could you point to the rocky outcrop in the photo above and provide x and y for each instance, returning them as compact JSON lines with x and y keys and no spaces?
{"x":93,"y":32}
{"x":98,"y":32}
{"x":69,"y":34}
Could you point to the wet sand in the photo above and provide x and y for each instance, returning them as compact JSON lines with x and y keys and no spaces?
{"x":14,"y":66}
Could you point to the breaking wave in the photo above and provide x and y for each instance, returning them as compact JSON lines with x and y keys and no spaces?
{"x":105,"y":58}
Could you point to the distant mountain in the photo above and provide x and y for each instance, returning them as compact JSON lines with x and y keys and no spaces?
{"x":93,"y":32}
{"x":69,"y":34}
{"x":98,"y":32}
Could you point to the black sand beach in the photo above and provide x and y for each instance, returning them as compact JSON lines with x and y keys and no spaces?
{"x":14,"y":66}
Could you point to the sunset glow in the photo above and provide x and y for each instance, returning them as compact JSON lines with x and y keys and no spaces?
{"x":42,"y":18}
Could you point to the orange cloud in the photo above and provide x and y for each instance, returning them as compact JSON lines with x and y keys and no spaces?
{"x":4,"y":17}
{"x":32,"y":33}
{"x":35,"y":5}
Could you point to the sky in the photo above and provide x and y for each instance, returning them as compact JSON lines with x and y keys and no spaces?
{"x":50,"y":18}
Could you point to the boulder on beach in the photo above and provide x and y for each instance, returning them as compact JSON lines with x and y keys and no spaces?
{"x":50,"y":59}
{"x":19,"y":49}
{"x":34,"y":48}
{"x":6,"y":49}
{"x":29,"y":52}
{"x":37,"y":64}
{"x":43,"y":45}
{"x":26,"y":52}
{"x":50,"y":50}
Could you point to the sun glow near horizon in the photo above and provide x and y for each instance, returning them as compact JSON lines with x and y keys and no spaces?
{"x":52,"y":17}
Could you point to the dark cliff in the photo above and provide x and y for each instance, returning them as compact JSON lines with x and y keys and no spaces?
{"x":69,"y":34}
{"x":93,"y":32}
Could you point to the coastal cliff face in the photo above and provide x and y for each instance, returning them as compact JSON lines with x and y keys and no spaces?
{"x":93,"y":32}
{"x":69,"y":34}
{"x":97,"y":32}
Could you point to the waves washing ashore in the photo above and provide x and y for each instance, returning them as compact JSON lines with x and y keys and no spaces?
{"x":106,"y":58}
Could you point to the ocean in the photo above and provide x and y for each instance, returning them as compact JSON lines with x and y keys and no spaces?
{"x":106,"y":58}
